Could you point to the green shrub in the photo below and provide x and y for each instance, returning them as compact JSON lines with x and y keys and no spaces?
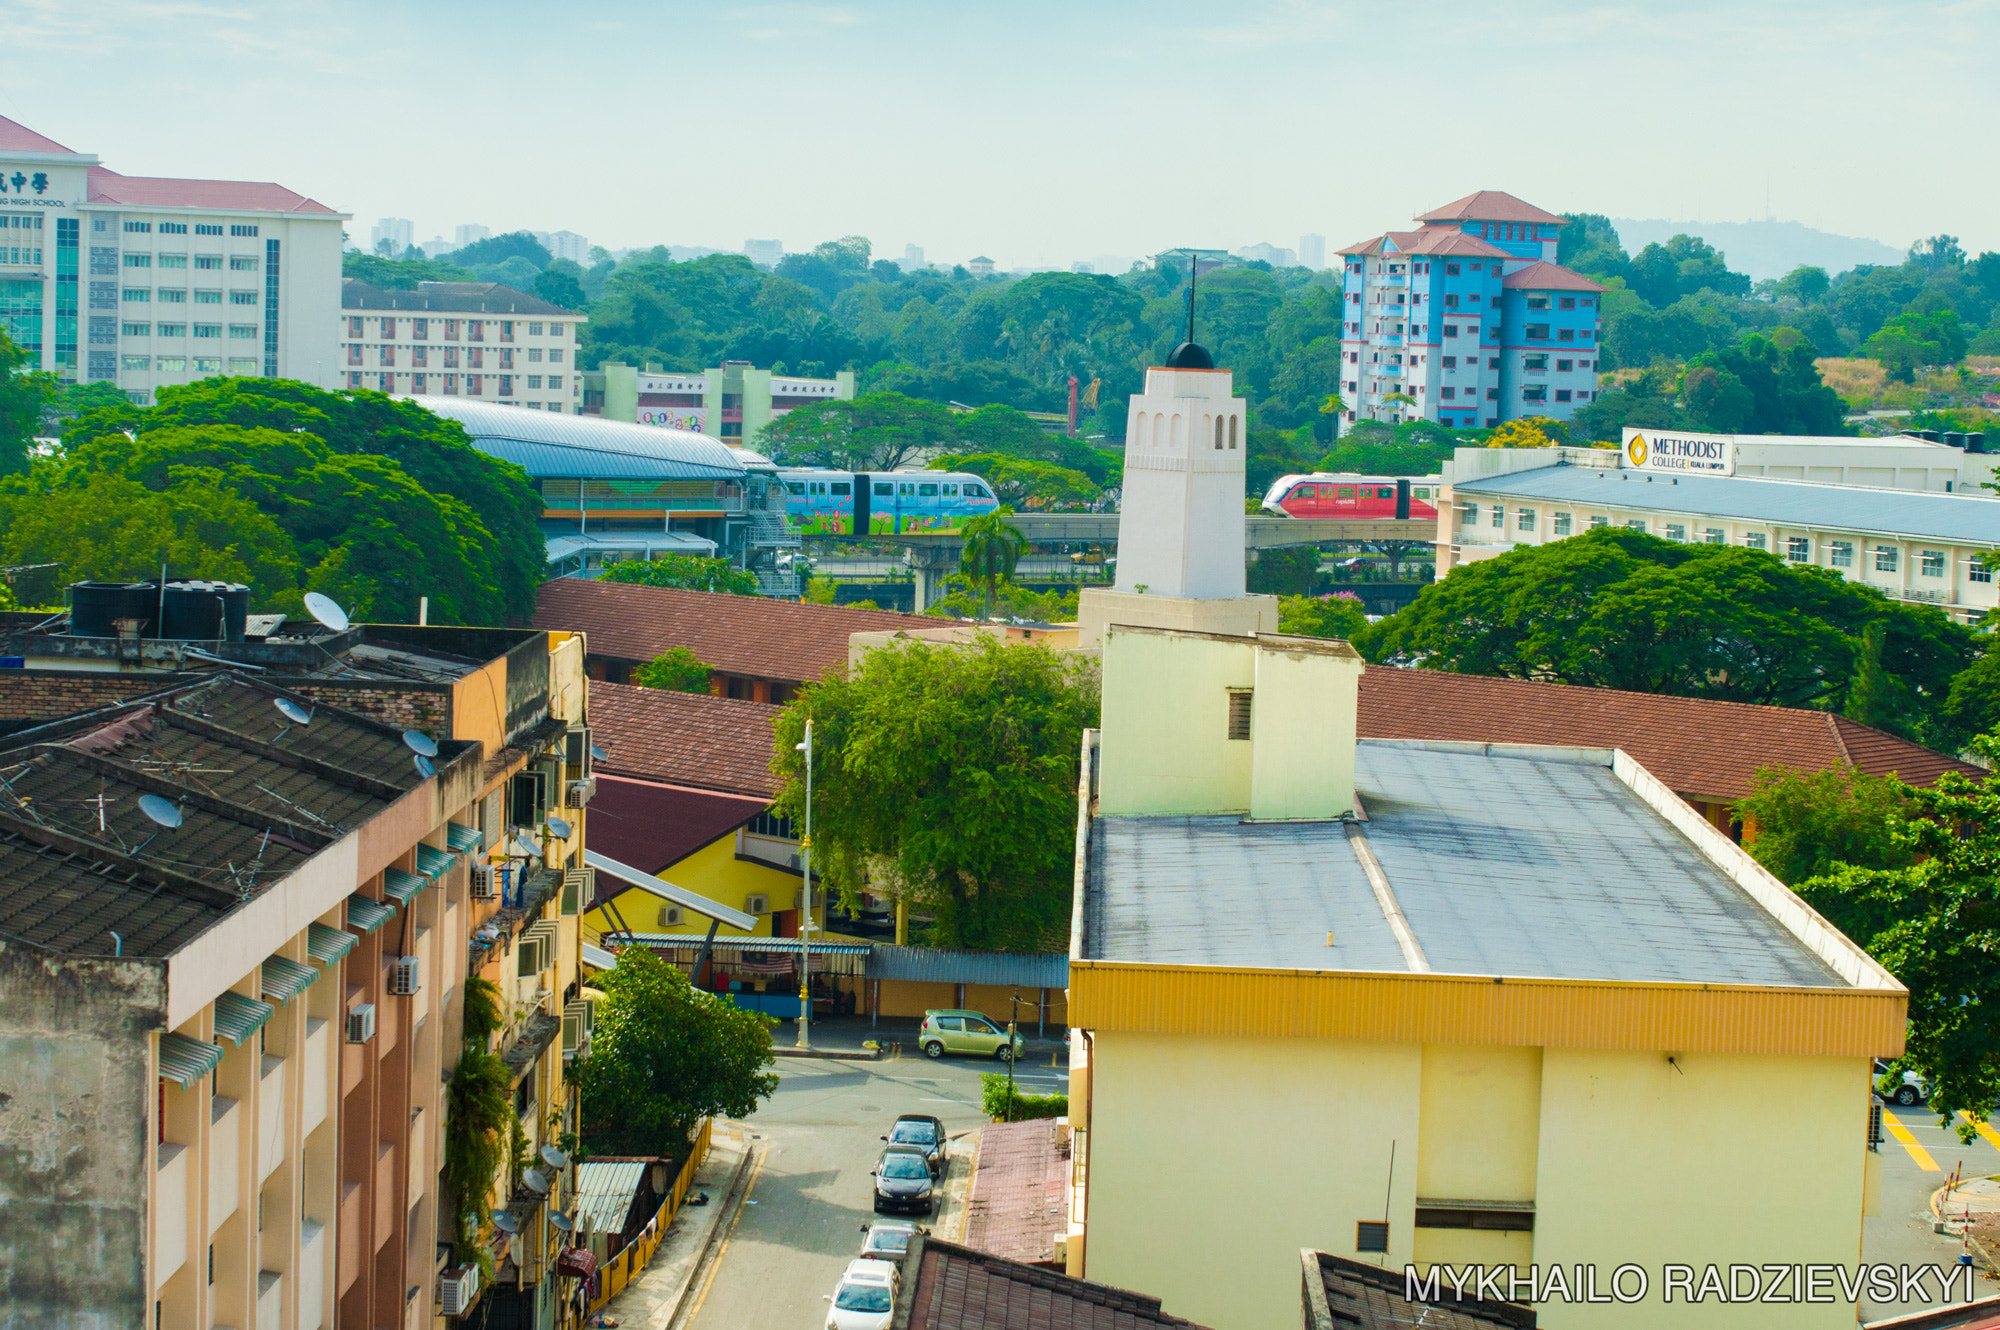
{"x":997,"y":1103}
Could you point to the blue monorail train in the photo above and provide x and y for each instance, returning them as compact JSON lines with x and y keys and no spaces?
{"x":892,"y":501}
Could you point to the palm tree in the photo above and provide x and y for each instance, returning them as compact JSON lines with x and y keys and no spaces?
{"x":992,"y":548}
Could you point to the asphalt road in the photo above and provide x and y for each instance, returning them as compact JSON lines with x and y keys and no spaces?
{"x":1901,"y":1234}
{"x":820,"y":1135}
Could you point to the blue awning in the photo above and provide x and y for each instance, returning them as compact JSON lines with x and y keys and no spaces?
{"x":285,"y":979}
{"x":461,"y":837}
{"x":402,"y":887}
{"x":327,"y":945}
{"x":238,"y":1017}
{"x":433,"y":862}
{"x":185,"y":1061}
{"x":368,"y":915}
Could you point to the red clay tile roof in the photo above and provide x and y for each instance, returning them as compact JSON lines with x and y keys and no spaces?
{"x":1698,"y":748}
{"x":950,"y":1287}
{"x":751,"y":636}
{"x":710,"y":743}
{"x":108,"y":186}
{"x":1451,"y":240}
{"x":1490,"y":205}
{"x":1372,"y":246}
{"x":653,"y":826}
{"x":1019,"y":1203}
{"x":16,"y":137}
{"x":1548,"y":277}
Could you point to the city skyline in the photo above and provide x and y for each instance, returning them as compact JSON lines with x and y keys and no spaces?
{"x":1703,"y":112}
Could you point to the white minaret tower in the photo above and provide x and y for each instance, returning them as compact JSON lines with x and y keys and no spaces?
{"x":1180,"y":520}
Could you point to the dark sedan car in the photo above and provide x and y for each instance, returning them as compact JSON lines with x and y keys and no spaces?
{"x":917,"y":1131}
{"x":903,"y":1182}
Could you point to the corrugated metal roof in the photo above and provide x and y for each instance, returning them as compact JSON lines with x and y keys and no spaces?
{"x":598,"y":958}
{"x":604,"y":1194}
{"x":938,"y":965}
{"x":658,"y":542}
{"x":285,"y":979}
{"x":327,"y":945}
{"x":185,"y":1061}
{"x":461,"y":837}
{"x":694,"y":941}
{"x":367,"y":915}
{"x":402,"y":886}
{"x":238,"y":1017}
{"x":433,"y":862}
{"x":549,"y":444}
{"x":1960,"y":518}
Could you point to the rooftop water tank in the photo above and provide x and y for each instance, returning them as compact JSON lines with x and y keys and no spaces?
{"x":96,"y":607}
{"x":199,"y":611}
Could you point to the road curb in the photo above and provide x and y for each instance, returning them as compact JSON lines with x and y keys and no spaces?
{"x":830,"y":1054}
{"x":731,"y":1201}
{"x":1937,"y":1215}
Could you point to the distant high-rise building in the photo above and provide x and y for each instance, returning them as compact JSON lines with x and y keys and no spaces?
{"x":1274,"y":255}
{"x":435,"y":246}
{"x":913,"y":257}
{"x":399,"y":232}
{"x":1312,"y":251}
{"x":565,"y":245}
{"x":764,"y":253}
{"x":469,"y":232}
{"x":1081,"y":265}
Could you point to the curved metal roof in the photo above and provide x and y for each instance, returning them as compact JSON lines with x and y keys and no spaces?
{"x":547,"y":444}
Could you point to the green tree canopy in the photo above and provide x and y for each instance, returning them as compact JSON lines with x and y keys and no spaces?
{"x":25,"y":396}
{"x":1021,"y":483}
{"x":400,"y":274}
{"x":677,"y":671}
{"x":949,"y":772}
{"x":664,"y":1056}
{"x":991,"y":548}
{"x":1337,"y":615}
{"x":687,"y":572}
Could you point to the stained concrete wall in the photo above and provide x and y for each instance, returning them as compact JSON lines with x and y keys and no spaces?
{"x":76,"y":1085}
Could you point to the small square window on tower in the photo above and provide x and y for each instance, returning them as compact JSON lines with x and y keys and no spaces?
{"x":1239,"y":713}
{"x":1371,"y":1235}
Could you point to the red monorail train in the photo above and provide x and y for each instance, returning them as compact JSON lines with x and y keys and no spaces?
{"x":1346,"y":494}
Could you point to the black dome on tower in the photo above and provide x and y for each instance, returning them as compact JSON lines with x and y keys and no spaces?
{"x":1190,"y":355}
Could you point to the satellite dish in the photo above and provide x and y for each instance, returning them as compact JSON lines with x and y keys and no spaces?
{"x":292,"y":711}
{"x":536,"y":1181}
{"x":505,"y":1222}
{"x":424,"y":766}
{"x":326,"y":612}
{"x":554,"y":1158}
{"x":165,"y":812}
{"x":560,"y":827}
{"x":420,"y":743}
{"x":563,"y":1223}
{"x":597,"y":753}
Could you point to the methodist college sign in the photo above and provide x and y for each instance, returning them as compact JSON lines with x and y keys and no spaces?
{"x":1703,"y":454}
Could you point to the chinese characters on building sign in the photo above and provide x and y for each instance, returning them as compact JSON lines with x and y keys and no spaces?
{"x":1703,"y":454}
{"x":21,"y":182}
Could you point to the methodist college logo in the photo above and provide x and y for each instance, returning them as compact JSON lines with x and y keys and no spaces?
{"x":1636,"y":450}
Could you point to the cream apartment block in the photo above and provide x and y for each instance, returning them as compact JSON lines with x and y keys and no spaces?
{"x":469,"y":339}
{"x":147,"y":281}
{"x":1920,"y":546}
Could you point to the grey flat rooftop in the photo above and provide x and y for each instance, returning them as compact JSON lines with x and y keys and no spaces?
{"x":1962,"y":518}
{"x":1525,"y":866}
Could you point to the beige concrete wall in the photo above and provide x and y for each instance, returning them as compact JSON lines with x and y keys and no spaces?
{"x":1303,"y":719}
{"x":1213,"y":1160}
{"x":1098,"y":608}
{"x":1165,"y":745}
{"x":1478,"y":1140}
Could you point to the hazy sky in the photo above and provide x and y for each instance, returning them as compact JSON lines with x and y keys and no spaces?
{"x":1033,"y":132}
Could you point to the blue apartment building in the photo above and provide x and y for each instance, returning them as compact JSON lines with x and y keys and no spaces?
{"x":1468,"y":320}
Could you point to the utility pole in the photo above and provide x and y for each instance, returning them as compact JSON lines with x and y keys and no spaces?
{"x":805,"y":901}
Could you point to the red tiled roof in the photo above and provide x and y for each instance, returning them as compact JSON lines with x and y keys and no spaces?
{"x":652,"y":826}
{"x":108,"y":186}
{"x":1548,"y":277}
{"x":751,"y":636}
{"x":711,"y":743}
{"x":1696,"y":747}
{"x":1490,"y":205}
{"x":1373,"y":246}
{"x":1019,"y":1202}
{"x":1451,"y":240}
{"x":17,"y":137}
{"x":955,"y":1288}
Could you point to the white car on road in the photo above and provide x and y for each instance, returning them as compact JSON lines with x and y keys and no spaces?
{"x":866,"y":1296}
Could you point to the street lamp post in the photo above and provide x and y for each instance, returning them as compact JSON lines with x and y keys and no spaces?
{"x":805,"y":900}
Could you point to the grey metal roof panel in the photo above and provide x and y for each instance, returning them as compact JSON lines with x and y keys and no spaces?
{"x":604,"y":1194}
{"x":1961,"y":518}
{"x":938,"y":965}
{"x":548,"y":443}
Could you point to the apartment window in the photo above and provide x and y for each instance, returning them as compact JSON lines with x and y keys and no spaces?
{"x":171,"y":330}
{"x":417,"y":383}
{"x":1451,"y":330}
{"x":208,"y":297}
{"x":388,"y":383}
{"x":1444,"y":392}
{"x":555,"y":356}
{"x":207,"y":365}
{"x":1524,"y":519}
{"x":173,"y":228}
{"x":534,"y":330}
{"x":451,"y":330}
{"x":1583,"y":334}
{"x":171,"y":260}
{"x":534,"y":355}
{"x":243,"y":263}
{"x":170,"y":364}
{"x":1239,"y":713}
{"x":506,"y":385}
{"x":451,"y":384}
{"x":135,"y":329}
{"x":1561,"y":526}
{"x":1597,"y":521}
{"x":1492,"y":394}
{"x":419,"y":356}
{"x":555,"y":380}
{"x":1538,"y":332}
{"x":1499,"y":517}
{"x":420,"y":328}
{"x":1979,"y":570}
{"x":208,"y":330}
{"x":173,"y":297}
{"x":1564,"y":366}
{"x":243,"y":331}
{"x":506,"y":357}
{"x":138,"y":228}
{"x":1754,"y":539}
{"x":1932,"y":564}
{"x":1451,"y":362}
{"x":1635,"y":523}
{"x":138,"y":260}
{"x":506,"y":330}
{"x":207,"y":229}
{"x":1567,"y":302}
{"x":354,"y":380}
{"x":1451,"y":270}
{"x":1535,"y":392}
{"x":1887,"y":558}
{"x":1493,"y":362}
{"x":1712,"y":536}
{"x":1538,"y":302}
{"x":1562,"y":394}
{"x":134,"y":362}
{"x":239,"y":229}
{"x":1566,"y":335}
{"x":475,"y":357}
{"x":354,"y":355}
{"x":245,"y":366}
{"x":1798,"y":549}
{"x":242,"y":297}
{"x":475,"y":330}
{"x":451,"y":357}
{"x":388,"y":327}
{"x":558,"y":330}
{"x":353,"y":327}
{"x":137,"y":294}
{"x":1840,"y":554}
{"x":1451,"y":302}
{"x":534,"y":382}
{"x":1468,"y":514}
{"x":210,"y":262}
{"x":387,"y":355}
{"x":1676,"y":531}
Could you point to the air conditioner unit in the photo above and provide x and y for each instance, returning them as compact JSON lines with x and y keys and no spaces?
{"x":484,"y":878}
{"x":458,"y":1290}
{"x":361,"y":1023}
{"x":795,"y":861}
{"x":577,"y":793}
{"x":405,"y":979}
{"x":670,"y":916}
{"x":757,"y":903}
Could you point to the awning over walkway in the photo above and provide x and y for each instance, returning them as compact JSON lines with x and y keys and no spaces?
{"x":681,"y":896}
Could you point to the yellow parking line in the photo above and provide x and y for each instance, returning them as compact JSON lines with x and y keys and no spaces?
{"x":1909,"y":1142}
{"x":1984,"y":1128}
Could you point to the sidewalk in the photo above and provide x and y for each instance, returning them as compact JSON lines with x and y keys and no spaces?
{"x":651,"y":1301}
{"x":848,"y":1033}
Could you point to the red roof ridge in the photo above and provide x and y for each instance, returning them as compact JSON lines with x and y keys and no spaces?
{"x":1839,"y":740}
{"x":17,"y":137}
{"x":1542,"y":275}
{"x":1490,"y":205}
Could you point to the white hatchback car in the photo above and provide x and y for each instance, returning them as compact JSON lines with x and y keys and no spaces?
{"x":865,"y":1298}
{"x":887,"y":1240}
